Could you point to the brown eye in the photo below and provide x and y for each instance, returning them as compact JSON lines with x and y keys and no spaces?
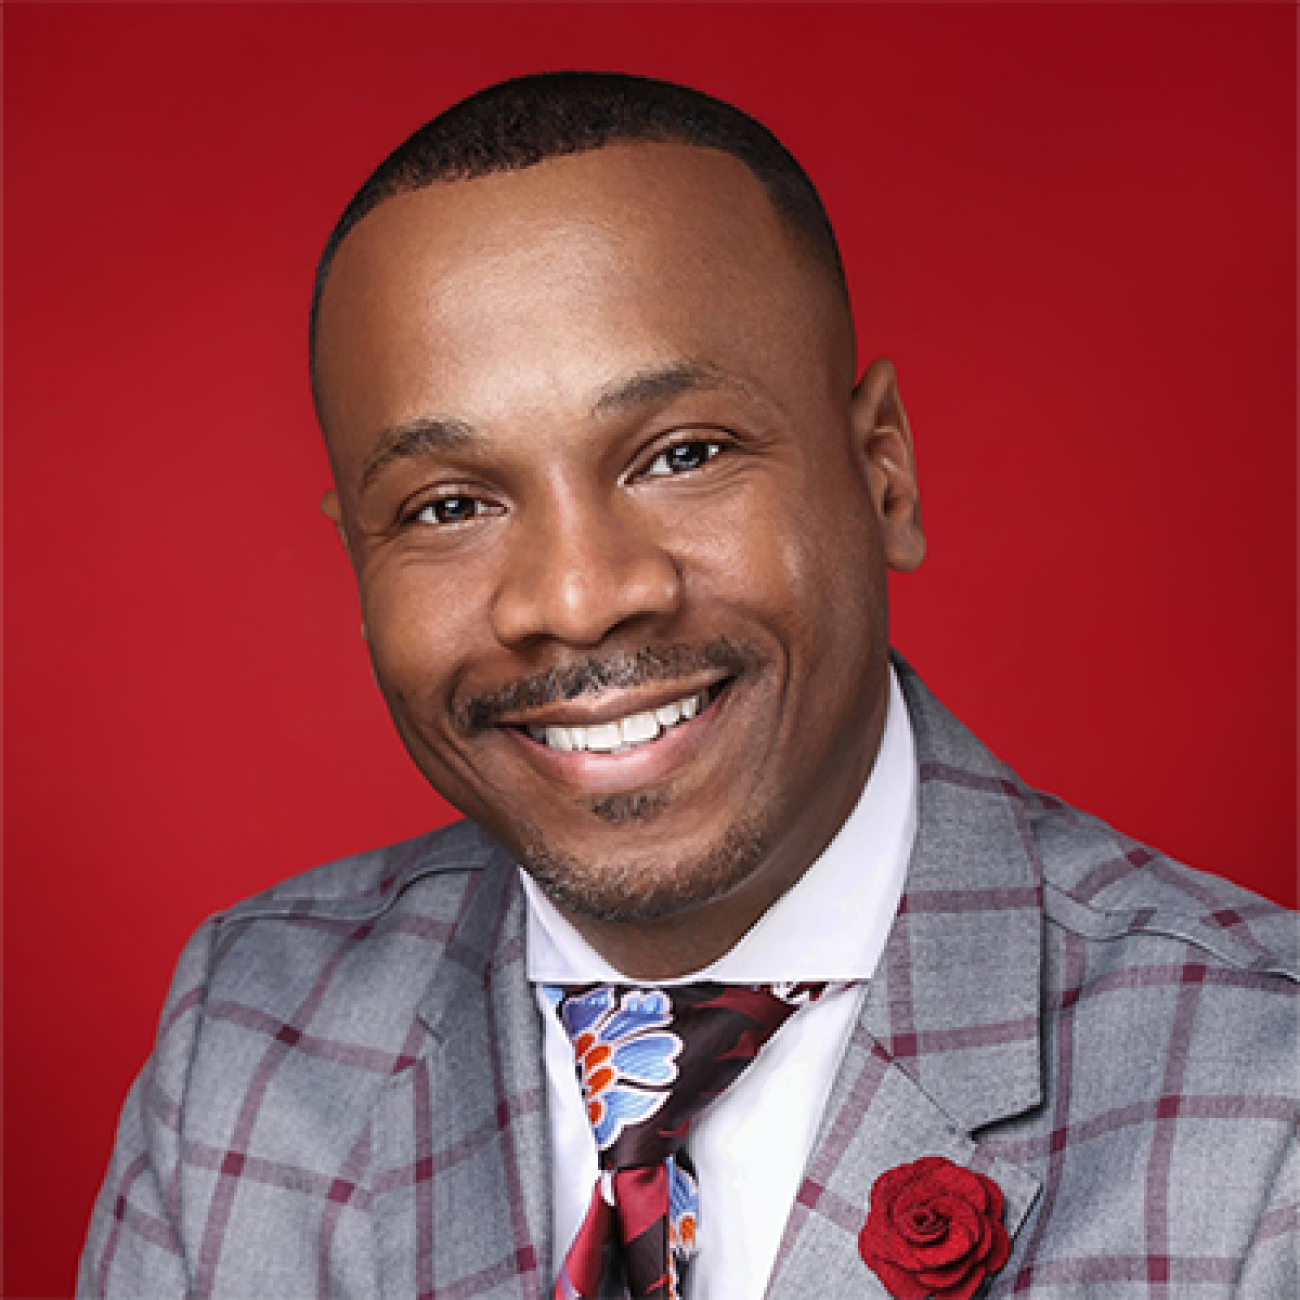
{"x":683,"y":457}
{"x":448,"y":510}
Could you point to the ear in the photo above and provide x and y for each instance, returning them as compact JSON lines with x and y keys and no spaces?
{"x":884,"y":445}
{"x":330,"y":508}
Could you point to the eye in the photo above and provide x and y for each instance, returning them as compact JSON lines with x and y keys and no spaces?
{"x":683,"y":457}
{"x":449,"y":510}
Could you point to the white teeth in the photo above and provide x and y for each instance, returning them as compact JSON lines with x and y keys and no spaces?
{"x":639,"y":727}
{"x":604,"y":736}
{"x":635,"y":729}
{"x":668,"y":714}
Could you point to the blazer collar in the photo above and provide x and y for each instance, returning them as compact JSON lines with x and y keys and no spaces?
{"x":486,"y":1035}
{"x":955,"y":1001}
{"x":948,"y":1039}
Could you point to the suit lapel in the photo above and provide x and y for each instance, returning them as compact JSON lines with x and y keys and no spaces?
{"x":467,"y":1206}
{"x":948,"y":1039}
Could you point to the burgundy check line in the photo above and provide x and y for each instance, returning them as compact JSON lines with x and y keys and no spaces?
{"x":898,"y":977}
{"x":1136,"y":857}
{"x":833,"y":1207}
{"x":123,"y":1213}
{"x":474,"y":1285}
{"x":1156,"y":1202}
{"x":226,"y":937}
{"x":946,"y":902}
{"x":1024,"y":1150}
{"x":530,"y":1280}
{"x":828,"y":1153}
{"x":933,"y":1041}
{"x":343,"y":1190}
{"x":1168,"y":975}
{"x":1181,"y":1270}
{"x":223,"y":1194}
{"x":1076,"y":957}
{"x":422,"y":1123}
{"x":1101,"y":877}
{"x":1243,"y":913}
{"x":153,"y":1230}
{"x":513,"y":952}
{"x":258,"y":1169}
{"x":428,"y":1166}
{"x":1277,"y":1223}
{"x":422,"y":1130}
{"x":326,"y":1049}
{"x":963,"y":779}
{"x":1226,"y":917}
{"x":1024,"y":828}
{"x":422,"y":927}
{"x":1200,"y":891}
{"x":184,"y":1004}
{"x":157,"y":1100}
{"x":161,"y":1103}
{"x":172,"y":1192}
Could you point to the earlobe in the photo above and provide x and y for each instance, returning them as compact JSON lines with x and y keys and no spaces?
{"x":884,"y":446}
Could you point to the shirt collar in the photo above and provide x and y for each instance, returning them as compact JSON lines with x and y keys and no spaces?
{"x":832,"y":925}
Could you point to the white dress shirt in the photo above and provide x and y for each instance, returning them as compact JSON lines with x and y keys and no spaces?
{"x":750,"y":1147}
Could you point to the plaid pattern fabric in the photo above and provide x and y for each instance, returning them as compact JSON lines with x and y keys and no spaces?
{"x":347,"y":1098}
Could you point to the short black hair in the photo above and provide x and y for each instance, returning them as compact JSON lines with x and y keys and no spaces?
{"x":521,"y":122}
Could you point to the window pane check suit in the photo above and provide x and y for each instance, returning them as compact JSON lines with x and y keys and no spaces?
{"x":347,"y":1096}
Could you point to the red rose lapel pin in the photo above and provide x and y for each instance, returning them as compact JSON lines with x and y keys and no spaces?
{"x":934,"y":1229}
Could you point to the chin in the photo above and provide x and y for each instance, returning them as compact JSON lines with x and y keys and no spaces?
{"x":650,"y":888}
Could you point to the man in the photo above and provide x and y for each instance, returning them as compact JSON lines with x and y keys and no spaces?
{"x":621,"y":511}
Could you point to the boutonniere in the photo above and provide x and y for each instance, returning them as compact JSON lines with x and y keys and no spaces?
{"x":934,"y":1229}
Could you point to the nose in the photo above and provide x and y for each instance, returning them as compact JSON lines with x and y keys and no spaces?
{"x":575,"y":573}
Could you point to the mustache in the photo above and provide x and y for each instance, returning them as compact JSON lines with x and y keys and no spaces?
{"x":593,"y":675}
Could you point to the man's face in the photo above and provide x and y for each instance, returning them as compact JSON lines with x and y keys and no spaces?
{"x":620,"y":525}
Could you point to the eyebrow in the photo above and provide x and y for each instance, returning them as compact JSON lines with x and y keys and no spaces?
{"x":661,"y":384}
{"x":429,"y":435}
{"x":420,"y":437}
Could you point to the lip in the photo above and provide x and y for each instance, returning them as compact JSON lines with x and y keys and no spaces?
{"x":593,"y":773}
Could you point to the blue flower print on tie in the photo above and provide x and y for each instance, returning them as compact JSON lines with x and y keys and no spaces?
{"x":625,"y":1055}
{"x":683,"y":1210}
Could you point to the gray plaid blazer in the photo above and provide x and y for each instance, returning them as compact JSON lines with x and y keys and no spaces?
{"x":347,"y":1095}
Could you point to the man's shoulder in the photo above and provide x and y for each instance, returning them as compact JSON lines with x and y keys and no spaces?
{"x":1107,"y":887}
{"x":343,"y":955}
{"x":433,"y":869}
{"x":1097,"y":883}
{"x":374,"y":926}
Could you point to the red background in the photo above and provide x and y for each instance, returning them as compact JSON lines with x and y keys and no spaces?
{"x":1072,"y":227}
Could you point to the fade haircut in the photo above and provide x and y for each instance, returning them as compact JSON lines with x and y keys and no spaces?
{"x":524,"y":121}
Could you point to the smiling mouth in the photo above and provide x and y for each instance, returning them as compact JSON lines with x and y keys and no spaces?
{"x":621,"y":735}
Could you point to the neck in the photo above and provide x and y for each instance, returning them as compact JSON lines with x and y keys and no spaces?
{"x":687,"y":941}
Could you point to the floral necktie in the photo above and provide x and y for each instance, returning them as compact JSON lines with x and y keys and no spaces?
{"x":649,"y":1060}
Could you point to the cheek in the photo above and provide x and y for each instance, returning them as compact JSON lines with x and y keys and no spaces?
{"x":808,"y":563}
{"x":418,"y":623}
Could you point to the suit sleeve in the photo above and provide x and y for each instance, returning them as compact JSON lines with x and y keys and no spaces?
{"x":134,"y":1247}
{"x":1272,"y":1267}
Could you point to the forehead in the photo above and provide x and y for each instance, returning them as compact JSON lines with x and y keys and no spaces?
{"x":491,"y":294}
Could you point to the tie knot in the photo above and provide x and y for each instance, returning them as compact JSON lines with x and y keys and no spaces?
{"x":650,"y":1059}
